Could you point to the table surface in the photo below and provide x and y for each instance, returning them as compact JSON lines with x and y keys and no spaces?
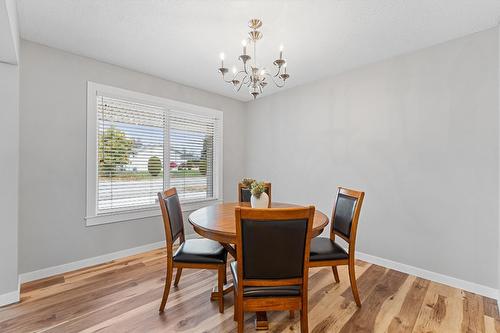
{"x":216,"y":222}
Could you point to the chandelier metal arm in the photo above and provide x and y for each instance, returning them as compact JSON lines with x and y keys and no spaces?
{"x":240,"y":72}
{"x":278,"y":72}
{"x":235,"y":76}
{"x":274,"y":81}
{"x":242,"y":82}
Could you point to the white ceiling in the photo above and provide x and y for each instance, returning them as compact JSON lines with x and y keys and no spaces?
{"x":180,"y":40}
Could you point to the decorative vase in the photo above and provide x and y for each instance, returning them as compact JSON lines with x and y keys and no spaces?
{"x":262,"y":202}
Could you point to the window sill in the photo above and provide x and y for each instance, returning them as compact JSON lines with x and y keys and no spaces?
{"x":145,"y":213}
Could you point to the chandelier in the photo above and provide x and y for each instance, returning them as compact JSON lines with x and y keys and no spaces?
{"x":251,"y":75}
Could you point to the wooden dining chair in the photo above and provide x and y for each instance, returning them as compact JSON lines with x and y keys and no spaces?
{"x":244,"y":193}
{"x":270,"y":273}
{"x":326,"y":252}
{"x":191,"y":253}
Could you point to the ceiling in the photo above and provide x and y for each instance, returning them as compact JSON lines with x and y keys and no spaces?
{"x":180,"y":40}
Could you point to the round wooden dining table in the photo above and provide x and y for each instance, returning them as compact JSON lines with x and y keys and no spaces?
{"x":217,"y":222}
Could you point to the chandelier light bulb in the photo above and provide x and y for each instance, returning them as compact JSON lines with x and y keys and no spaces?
{"x":281,"y":47}
{"x":244,"y":42}
{"x":262,"y":72}
{"x":234,"y":69}
{"x":222,"y":60}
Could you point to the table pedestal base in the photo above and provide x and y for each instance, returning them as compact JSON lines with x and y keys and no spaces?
{"x":261,"y":323}
{"x":260,"y":318}
{"x":228,"y":288}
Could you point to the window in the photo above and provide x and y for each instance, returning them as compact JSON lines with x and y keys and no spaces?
{"x":137,"y":145}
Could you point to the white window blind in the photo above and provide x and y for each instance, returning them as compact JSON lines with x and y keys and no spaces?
{"x":192,"y":139}
{"x":139,"y":145}
{"x":130,"y":154}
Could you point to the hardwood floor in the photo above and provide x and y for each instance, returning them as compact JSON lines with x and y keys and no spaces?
{"x":124,"y":296}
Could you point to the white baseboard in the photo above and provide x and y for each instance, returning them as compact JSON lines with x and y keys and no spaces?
{"x":11,"y":297}
{"x":54,"y":270}
{"x":435,"y":277}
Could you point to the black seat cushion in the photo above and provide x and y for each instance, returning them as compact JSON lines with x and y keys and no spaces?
{"x":326,"y":249}
{"x":201,"y":251}
{"x":263,"y":291}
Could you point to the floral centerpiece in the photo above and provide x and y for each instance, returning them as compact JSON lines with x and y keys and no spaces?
{"x":247,"y":182}
{"x":259,"y":198}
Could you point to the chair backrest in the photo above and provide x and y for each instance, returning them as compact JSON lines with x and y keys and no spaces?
{"x":345,"y":215}
{"x":273,"y":245}
{"x":244,"y":193}
{"x":172,"y":215}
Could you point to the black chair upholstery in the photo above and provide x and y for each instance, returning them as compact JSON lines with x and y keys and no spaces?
{"x":174,"y":214}
{"x":201,"y":251}
{"x":326,"y":249}
{"x":344,"y":213}
{"x":246,"y":194}
{"x":273,"y":249}
{"x":263,"y":291}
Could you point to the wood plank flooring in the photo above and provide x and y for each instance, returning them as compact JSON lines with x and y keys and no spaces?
{"x":124,"y":295}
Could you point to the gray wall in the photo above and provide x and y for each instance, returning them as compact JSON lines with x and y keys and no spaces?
{"x":9,"y":148}
{"x":52,"y":155}
{"x":418,"y":133}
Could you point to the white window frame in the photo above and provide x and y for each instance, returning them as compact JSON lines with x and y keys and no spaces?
{"x":94,"y":89}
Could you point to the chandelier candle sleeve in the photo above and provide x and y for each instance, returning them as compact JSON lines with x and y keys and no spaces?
{"x":244,"y":43}
{"x":253,"y":76}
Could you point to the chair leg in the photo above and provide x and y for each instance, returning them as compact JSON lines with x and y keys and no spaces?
{"x":220,"y":278}
{"x":335,"y":274}
{"x":303,"y":321}
{"x":225,"y":274}
{"x":354,"y":287}
{"x":177,"y":276}
{"x":166,"y":290}
{"x":235,"y":315}
{"x":240,"y":315}
{"x":292,"y":314}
